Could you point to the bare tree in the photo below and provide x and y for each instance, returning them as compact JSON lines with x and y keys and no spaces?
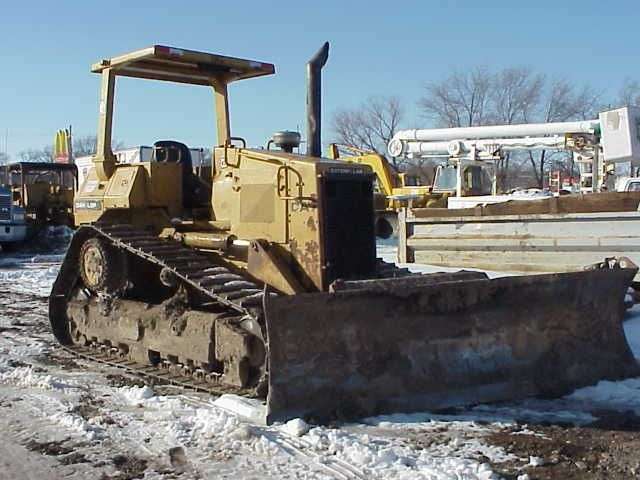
{"x":33,"y":155}
{"x":82,"y":146}
{"x":87,"y":144}
{"x":629,"y":93}
{"x":508,"y":96}
{"x":587,"y":103}
{"x":371,"y":125}
{"x":515,"y":95}
{"x":460,"y":100}
{"x":561,"y":102}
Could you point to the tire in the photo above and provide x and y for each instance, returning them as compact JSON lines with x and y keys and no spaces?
{"x":103,"y":267}
{"x":386,"y":225}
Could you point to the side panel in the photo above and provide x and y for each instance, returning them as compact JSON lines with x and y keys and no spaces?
{"x":126,"y":188}
{"x":542,"y":243}
{"x":245,"y":195}
{"x":261,"y":213}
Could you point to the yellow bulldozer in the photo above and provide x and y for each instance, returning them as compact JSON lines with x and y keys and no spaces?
{"x":268,"y":284}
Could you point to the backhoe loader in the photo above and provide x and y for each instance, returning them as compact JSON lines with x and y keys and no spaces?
{"x":268,"y":285}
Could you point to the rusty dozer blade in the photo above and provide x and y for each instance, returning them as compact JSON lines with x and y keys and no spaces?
{"x":423,"y":343}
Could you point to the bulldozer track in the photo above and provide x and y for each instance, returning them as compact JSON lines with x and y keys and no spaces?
{"x":154,"y":375}
{"x":215,"y":282}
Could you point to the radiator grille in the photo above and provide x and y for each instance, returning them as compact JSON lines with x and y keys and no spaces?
{"x":348,"y":219}
{"x":5,"y":204}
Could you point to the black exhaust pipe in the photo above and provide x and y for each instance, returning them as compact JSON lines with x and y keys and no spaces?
{"x":314,"y":100}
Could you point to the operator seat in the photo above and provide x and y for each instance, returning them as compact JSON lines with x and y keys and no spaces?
{"x":171,"y":151}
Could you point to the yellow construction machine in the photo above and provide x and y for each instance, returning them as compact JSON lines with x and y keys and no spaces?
{"x":44,"y":190}
{"x":395,"y":190}
{"x":270,"y":286}
{"x":34,"y":195}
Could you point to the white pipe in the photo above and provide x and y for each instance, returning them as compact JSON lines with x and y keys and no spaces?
{"x":493,"y":131}
{"x":456,"y":147}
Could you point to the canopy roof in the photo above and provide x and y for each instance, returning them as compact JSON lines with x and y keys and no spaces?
{"x":183,"y":66}
{"x":40,"y":167}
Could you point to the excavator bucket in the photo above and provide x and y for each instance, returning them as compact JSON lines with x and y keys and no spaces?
{"x":437,"y":341}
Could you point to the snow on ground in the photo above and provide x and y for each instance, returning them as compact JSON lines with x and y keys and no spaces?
{"x":46,"y":396}
{"x":33,"y":270}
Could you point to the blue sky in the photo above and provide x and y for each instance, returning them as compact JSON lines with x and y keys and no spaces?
{"x":377,"y":48}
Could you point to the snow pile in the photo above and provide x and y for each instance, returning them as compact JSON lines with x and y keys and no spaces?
{"x":431,"y":421}
{"x":78,"y":424}
{"x":28,"y":349}
{"x":183,"y":423}
{"x":393,"y":458}
{"x":26,"y":377}
{"x":250,"y":409}
{"x":35,"y":278}
{"x":52,"y":239}
{"x":463,"y":433}
{"x":536,"y":461}
{"x":34,"y":268}
{"x":58,"y":233}
{"x":621,"y":396}
{"x":296,"y":427}
{"x":530,"y":193}
{"x":531,"y":411}
{"x":211,"y":423}
{"x":135,"y":395}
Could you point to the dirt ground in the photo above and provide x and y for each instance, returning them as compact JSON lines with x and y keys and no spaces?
{"x":608,"y":449}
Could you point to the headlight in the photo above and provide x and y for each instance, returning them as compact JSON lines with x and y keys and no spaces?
{"x":18,"y":217}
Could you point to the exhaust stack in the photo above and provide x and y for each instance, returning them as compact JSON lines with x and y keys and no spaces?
{"x":314,"y":103}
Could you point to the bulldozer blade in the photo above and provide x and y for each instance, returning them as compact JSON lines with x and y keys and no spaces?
{"x":366,"y":351}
